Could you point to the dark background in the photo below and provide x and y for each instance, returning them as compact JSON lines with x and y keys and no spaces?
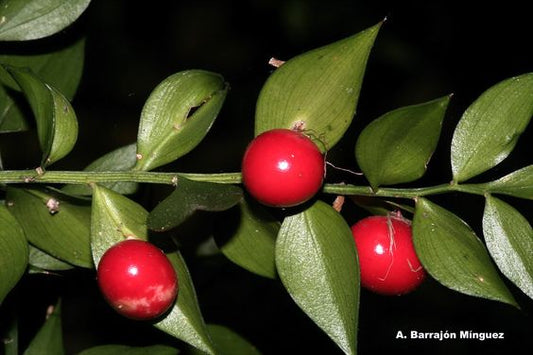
{"x":424,"y":51}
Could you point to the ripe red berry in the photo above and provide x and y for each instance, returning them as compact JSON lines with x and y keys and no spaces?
{"x":387,"y":258}
{"x":282,"y":168}
{"x":137,"y":279}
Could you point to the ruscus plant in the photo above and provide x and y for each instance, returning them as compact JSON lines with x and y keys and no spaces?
{"x":281,"y":219}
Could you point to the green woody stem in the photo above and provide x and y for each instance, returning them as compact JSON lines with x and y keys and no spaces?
{"x":88,"y":177}
{"x":341,"y":189}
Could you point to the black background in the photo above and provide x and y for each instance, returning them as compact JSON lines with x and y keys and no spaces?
{"x":424,"y":51}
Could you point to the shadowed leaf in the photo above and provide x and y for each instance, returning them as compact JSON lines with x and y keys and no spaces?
{"x":55,"y":223}
{"x":114,"y":349}
{"x":49,"y":338}
{"x":57,"y":126}
{"x":191,"y":196}
{"x":247,"y":236}
{"x":13,"y":252}
{"x":185,"y":320}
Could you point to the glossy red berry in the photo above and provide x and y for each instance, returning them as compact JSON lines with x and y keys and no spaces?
{"x":387,"y":258}
{"x":137,"y":279}
{"x":282,"y":168}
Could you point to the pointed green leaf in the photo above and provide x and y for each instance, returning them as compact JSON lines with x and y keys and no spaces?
{"x":191,"y":196}
{"x":114,"y":218}
{"x":509,"y":239}
{"x":318,"y":90}
{"x":13,"y":252}
{"x":41,"y":262}
{"x":185,"y":320}
{"x":113,"y":349}
{"x":121,"y":159}
{"x":53,"y":222}
{"x":248,"y":238}
{"x":227,"y":342}
{"x":453,"y":255}
{"x":22,"y":20}
{"x":49,"y":338}
{"x":177,"y":116}
{"x":317,"y":263}
{"x":57,"y":126}
{"x":61,"y":68}
{"x":490,"y":127}
{"x":396,"y":147}
{"x":519,"y":183}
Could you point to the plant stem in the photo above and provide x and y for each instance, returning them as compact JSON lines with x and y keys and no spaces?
{"x":88,"y":177}
{"x":341,"y":189}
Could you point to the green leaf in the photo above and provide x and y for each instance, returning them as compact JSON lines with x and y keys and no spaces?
{"x":41,"y":262}
{"x":113,"y":349}
{"x":519,"y":183}
{"x":396,"y":147}
{"x":61,"y":68}
{"x":453,"y":255}
{"x":22,"y":20}
{"x":177,"y":116}
{"x":49,"y":338}
{"x":114,"y":218}
{"x":121,"y":159}
{"x":227,"y":342}
{"x":318,"y":90}
{"x":509,"y":239}
{"x":190,"y":196}
{"x":13,"y":252}
{"x":490,"y":127}
{"x":57,"y":126}
{"x":185,"y":320}
{"x":11,"y":117}
{"x":53,"y":222}
{"x":248,"y":238}
{"x":317,"y":263}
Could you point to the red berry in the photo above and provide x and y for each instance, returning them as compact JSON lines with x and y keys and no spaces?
{"x":137,"y":279}
{"x":282,"y":168}
{"x":387,"y":257}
